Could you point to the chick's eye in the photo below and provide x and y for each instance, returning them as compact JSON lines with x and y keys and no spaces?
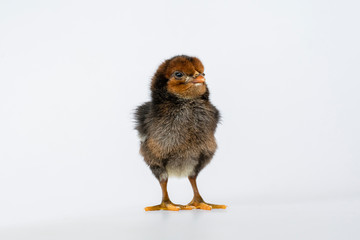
{"x":178,"y":74}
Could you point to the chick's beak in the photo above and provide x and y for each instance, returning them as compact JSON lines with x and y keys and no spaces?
{"x":199,"y":79}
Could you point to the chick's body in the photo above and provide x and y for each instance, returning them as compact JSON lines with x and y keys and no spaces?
{"x":178,"y":138}
{"x":177,"y":127}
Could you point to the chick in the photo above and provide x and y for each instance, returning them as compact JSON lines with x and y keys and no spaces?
{"x":176,"y":128}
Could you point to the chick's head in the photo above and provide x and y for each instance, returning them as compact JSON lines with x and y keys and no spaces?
{"x":182,"y":76}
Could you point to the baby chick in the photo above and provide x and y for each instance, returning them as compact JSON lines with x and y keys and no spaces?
{"x":177,"y":127}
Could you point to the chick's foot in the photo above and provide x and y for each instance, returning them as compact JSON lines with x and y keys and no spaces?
{"x":200,"y":204}
{"x":169,"y":206}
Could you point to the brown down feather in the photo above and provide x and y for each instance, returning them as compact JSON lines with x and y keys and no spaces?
{"x":177,"y":126}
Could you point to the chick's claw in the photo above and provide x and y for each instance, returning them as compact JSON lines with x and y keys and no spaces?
{"x":217,"y":206}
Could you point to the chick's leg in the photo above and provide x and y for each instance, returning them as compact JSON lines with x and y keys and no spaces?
{"x":198,"y":201}
{"x":166,"y":204}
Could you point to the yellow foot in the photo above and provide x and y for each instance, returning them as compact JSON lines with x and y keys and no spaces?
{"x":169,"y":206}
{"x":206,"y":206}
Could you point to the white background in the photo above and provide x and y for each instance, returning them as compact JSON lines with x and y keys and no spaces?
{"x":284,"y":74}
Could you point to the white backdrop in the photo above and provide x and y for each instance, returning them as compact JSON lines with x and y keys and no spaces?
{"x":284,"y":74}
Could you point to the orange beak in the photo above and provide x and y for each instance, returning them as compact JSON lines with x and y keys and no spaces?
{"x":199,"y":79}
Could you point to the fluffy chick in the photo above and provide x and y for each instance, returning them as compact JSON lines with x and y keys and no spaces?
{"x":177,"y":127}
